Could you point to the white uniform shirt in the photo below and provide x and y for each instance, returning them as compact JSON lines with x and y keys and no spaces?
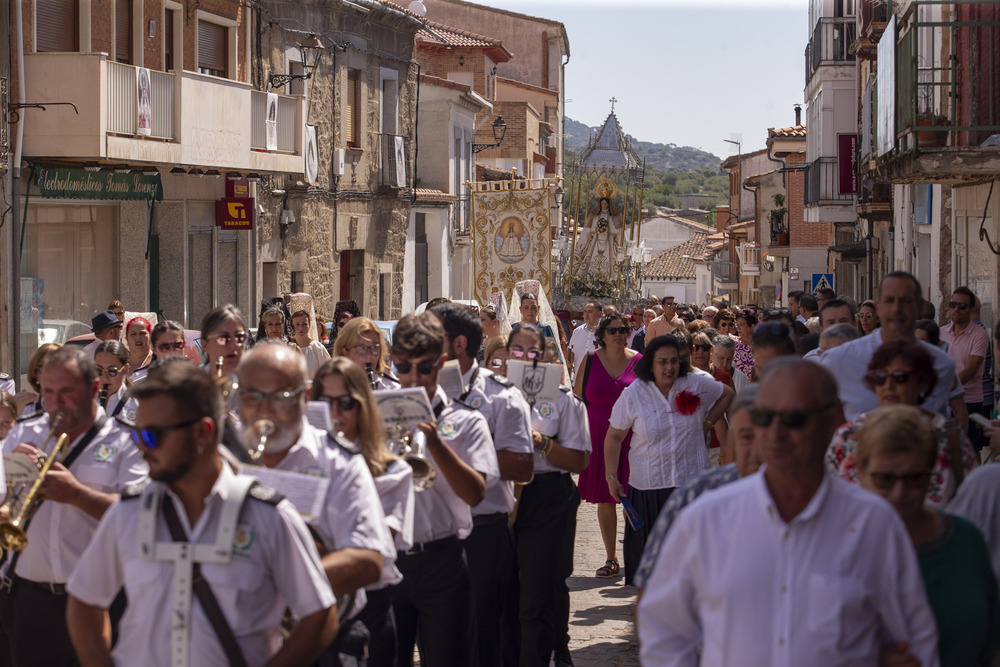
{"x":668,"y":448}
{"x":849,"y":362}
{"x":829,"y":588}
{"x":352,"y":513}
{"x":439,"y":512}
{"x":7,"y":384}
{"x":59,"y":532}
{"x":385,"y":381}
{"x":509,"y":419}
{"x":127,"y":411}
{"x":274,"y":566}
{"x":395,"y":490}
{"x":565,"y":422}
{"x":581,"y":342}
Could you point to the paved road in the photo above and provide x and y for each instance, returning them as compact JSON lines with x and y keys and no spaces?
{"x":601,"y":627}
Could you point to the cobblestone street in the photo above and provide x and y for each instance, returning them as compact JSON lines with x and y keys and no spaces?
{"x":601,"y":627}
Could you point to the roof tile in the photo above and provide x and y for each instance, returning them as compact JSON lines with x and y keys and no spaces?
{"x":672,"y":263}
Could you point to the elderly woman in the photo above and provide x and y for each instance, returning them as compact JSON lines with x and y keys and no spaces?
{"x":312,"y":350}
{"x":724,"y":322}
{"x":669,"y":411}
{"x":902,"y":373}
{"x":897,"y":455}
{"x":138,"y":334}
{"x":602,"y":377}
{"x":745,"y":320}
{"x":361,"y":341}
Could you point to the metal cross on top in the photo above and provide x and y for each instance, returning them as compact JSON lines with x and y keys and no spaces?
{"x":613,"y":100}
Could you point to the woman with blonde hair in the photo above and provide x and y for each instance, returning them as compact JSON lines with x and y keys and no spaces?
{"x":360,"y":340}
{"x":29,"y":402}
{"x":344,"y":386}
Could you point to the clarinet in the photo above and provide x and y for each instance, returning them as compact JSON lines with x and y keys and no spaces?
{"x":372,"y":378}
{"x":218,"y":366}
{"x":103,"y":397}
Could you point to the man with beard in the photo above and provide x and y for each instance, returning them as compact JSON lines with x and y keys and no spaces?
{"x":351,"y":528}
{"x":99,"y":462}
{"x":209,"y":560}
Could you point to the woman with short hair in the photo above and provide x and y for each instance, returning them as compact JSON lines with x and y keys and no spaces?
{"x":745,"y":321}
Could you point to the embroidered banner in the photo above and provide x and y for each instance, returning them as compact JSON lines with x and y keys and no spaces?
{"x":511,"y":235}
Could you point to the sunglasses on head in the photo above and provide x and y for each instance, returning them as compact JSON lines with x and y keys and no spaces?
{"x":617,"y":330}
{"x":344,"y":403}
{"x":423,"y":368}
{"x":166,"y":347}
{"x":878,"y":378}
{"x":704,"y":347}
{"x":796,"y":419}
{"x":150,"y":437}
{"x":958,"y":304}
{"x":914,"y":481}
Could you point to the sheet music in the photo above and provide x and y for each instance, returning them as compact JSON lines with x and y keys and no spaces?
{"x":450,"y":379}
{"x":318,"y":415}
{"x":305,"y":492}
{"x":404,"y":407}
{"x":18,"y":468}
{"x":538,"y":382}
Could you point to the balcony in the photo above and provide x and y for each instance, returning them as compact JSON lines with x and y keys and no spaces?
{"x":830,"y":44}
{"x":725,"y":274}
{"x":461,"y":221}
{"x":196,"y":120}
{"x":748,"y":255}
{"x":823,"y":185}
{"x":872,"y":18}
{"x":393,"y":152}
{"x":947,"y":90}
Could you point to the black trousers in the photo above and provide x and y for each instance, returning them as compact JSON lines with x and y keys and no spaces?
{"x":545,"y":531}
{"x":976,"y":435}
{"x":431,"y":606}
{"x":33,"y":629}
{"x":648,"y":505}
{"x":489,"y":551}
{"x":381,"y":623}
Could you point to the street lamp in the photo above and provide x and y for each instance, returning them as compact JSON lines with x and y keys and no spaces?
{"x":311,"y":49}
{"x":499,"y":132}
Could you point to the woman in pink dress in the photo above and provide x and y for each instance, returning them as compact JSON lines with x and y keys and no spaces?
{"x":611,"y":369}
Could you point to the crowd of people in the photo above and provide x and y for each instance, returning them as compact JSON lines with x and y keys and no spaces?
{"x":801,"y":485}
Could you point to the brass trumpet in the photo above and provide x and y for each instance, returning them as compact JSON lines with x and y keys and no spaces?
{"x":411,"y":446}
{"x":256,"y":437}
{"x":14,"y":533}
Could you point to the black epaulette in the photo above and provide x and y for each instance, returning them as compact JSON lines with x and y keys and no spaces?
{"x":124,"y":422}
{"x":264,"y":494}
{"x":500,"y":380}
{"x":345,"y":444}
{"x":566,"y":389}
{"x":460,"y":403}
{"x":34,"y":415}
{"x":133,"y":491}
{"x":5,"y":376}
{"x":391,"y":377}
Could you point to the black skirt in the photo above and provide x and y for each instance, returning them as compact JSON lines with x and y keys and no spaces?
{"x":648,"y":505}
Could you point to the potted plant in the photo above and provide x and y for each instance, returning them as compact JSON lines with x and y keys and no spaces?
{"x":778,"y":227}
{"x":927,"y":118}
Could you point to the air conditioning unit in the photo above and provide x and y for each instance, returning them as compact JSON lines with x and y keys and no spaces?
{"x":338,"y":162}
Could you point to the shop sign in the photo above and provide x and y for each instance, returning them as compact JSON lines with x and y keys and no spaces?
{"x":62,"y":183}
{"x":234,"y":213}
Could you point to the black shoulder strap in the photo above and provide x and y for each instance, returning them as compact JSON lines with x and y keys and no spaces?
{"x":118,"y":408}
{"x":209,"y":604}
{"x":472,"y":383}
{"x":586,"y":375}
{"x":439,"y":409}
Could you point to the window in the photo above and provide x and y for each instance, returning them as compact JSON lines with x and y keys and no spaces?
{"x":123,"y":31}
{"x":352,"y":113}
{"x":56,"y":25}
{"x":213,"y":44}
{"x":169,"y":53}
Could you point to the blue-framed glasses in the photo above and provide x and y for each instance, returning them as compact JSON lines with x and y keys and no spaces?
{"x":150,"y":437}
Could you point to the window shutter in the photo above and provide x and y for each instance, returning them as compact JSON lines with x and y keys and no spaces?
{"x":168,"y":40}
{"x":56,"y":25}
{"x":350,"y":113}
{"x":123,"y":31}
{"x":212,"y":48}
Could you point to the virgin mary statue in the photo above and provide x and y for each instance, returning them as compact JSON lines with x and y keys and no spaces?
{"x":599,"y":253}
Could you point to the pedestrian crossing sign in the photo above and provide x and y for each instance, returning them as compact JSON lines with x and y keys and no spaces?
{"x":822,"y":281}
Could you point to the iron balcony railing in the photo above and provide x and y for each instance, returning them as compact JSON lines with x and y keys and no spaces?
{"x":830,"y":44}
{"x":286,"y":121}
{"x":393,"y":151}
{"x":123,"y":108}
{"x":461,"y":222}
{"x":823,"y":182}
{"x":724,"y":270}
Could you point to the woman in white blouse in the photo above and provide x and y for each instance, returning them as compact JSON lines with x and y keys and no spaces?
{"x":670,"y":411}
{"x":312,"y":350}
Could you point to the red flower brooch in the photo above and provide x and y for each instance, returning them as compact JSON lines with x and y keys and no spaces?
{"x":687,"y":403}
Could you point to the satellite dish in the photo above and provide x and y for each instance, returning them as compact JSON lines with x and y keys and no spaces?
{"x":418,"y":8}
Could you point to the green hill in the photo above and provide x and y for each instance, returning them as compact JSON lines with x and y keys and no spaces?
{"x":665,"y":157}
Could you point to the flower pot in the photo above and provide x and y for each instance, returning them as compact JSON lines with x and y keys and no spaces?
{"x":781,"y":239}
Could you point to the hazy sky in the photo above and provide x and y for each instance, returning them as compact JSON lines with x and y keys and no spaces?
{"x":687,"y":72}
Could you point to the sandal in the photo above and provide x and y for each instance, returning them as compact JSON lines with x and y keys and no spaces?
{"x":609,"y":570}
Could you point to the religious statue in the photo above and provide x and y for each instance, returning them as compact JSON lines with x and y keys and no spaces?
{"x":599,"y":251}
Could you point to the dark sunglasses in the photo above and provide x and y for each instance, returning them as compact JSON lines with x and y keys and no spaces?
{"x":150,"y":437}
{"x":726,"y":323}
{"x":958,"y":304}
{"x":617,"y":330}
{"x":885,"y":481}
{"x":762,"y":417}
{"x":110,"y":372}
{"x":341,"y":325}
{"x":704,"y":347}
{"x":223,"y":338}
{"x":166,"y":347}
{"x":424,"y":367}
{"x":344,"y":403}
{"x":878,"y":378}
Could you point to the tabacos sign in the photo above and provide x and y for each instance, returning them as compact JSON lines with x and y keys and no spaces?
{"x":234,"y":213}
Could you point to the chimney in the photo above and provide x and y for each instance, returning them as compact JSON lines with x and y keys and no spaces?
{"x":798,"y":114}
{"x":721,"y":218}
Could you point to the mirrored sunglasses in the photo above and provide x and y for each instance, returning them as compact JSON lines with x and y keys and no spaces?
{"x":150,"y":437}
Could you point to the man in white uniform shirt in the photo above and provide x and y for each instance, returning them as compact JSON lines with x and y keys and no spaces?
{"x":583,"y":339}
{"x":100,"y":462}
{"x":790,"y":566}
{"x":432,"y":601}
{"x":489,"y":550}
{"x":352,"y":526}
{"x":208,"y":559}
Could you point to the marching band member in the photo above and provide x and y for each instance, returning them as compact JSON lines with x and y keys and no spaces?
{"x":224,"y":336}
{"x":111,"y":357}
{"x":344,"y":386}
{"x":360,"y":340}
{"x":99,"y":463}
{"x":209,"y":560}
{"x":352,"y":527}
{"x":490,"y":548}
{"x":432,"y":601}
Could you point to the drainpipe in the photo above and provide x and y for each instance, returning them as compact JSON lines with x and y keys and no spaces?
{"x":14,"y":278}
